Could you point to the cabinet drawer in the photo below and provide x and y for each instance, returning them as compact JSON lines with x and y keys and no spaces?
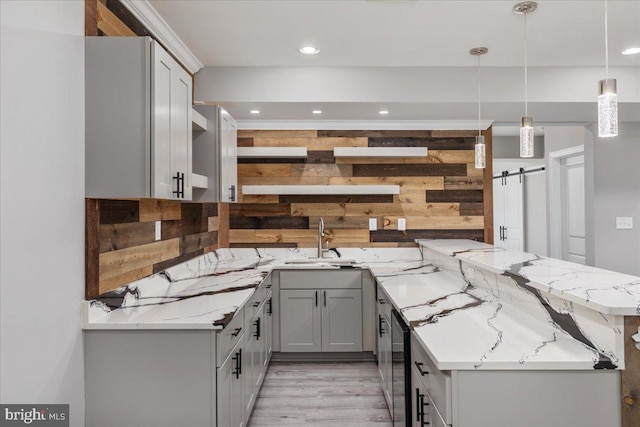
{"x":437,"y":383}
{"x":227,"y":338}
{"x":384,"y":305}
{"x":314,"y":279}
{"x":253,"y":305}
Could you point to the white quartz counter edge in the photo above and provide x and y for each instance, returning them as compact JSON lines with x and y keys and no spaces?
{"x":580,"y":295}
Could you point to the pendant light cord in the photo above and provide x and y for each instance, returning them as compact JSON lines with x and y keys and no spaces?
{"x":526,"y":109}
{"x":606,"y":39}
{"x":479,"y":105}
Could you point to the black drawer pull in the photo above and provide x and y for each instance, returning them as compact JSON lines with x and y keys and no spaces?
{"x":380,"y":322}
{"x":256,"y":304}
{"x":270,"y":310}
{"x":257,"y":325}
{"x":419,"y":366}
{"x":236,"y":332}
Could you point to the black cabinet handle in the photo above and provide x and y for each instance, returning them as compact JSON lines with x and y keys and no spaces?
{"x":504,"y":233}
{"x":418,"y":405}
{"x":380,"y":321}
{"x":236,"y":332}
{"x":182,"y":180}
{"x":257,"y":325}
{"x":179,"y":178}
{"x":419,"y":366}
{"x":422,"y":414}
{"x":232,"y":195}
{"x":270,"y":310}
{"x":256,"y":304}
{"x":381,"y":301}
{"x":325,"y":298}
{"x":316,"y":298}
{"x":238,"y":359}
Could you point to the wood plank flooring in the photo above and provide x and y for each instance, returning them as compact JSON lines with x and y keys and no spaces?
{"x":325,"y":394}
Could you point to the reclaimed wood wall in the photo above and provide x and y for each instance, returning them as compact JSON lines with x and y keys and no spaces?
{"x":121,"y":245}
{"x":441,"y":196}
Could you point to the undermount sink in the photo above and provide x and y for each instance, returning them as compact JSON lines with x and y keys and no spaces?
{"x":332,"y":261}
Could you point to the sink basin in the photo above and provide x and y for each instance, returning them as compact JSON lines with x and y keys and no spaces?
{"x":332,"y":261}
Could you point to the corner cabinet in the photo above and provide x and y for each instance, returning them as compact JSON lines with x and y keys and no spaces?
{"x":321,"y":311}
{"x":215,"y":155}
{"x":138,"y":114}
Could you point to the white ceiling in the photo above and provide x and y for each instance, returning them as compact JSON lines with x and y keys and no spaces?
{"x":401,"y":33}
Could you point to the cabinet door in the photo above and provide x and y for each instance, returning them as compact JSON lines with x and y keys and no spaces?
{"x":384,"y":358}
{"x":300,"y":321}
{"x":230,"y":407}
{"x":248,"y":394}
{"x":181,"y":136}
{"x":162,"y":182}
{"x":228,"y":157}
{"x":268,"y":330}
{"x":341,"y":320}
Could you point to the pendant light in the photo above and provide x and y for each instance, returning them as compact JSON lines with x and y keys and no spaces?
{"x":607,"y":93}
{"x":526,"y":122}
{"x":481,"y":158}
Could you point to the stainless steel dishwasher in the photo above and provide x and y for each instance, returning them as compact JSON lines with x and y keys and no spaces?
{"x":401,"y":370}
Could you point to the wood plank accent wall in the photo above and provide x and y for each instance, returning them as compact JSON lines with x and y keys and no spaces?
{"x":441,"y":196}
{"x":121,"y":245}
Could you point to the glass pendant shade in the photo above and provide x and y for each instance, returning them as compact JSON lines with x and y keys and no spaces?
{"x":481,"y":159}
{"x":607,"y":108}
{"x":526,"y":137}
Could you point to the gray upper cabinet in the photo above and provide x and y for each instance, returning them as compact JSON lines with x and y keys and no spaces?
{"x":138,"y":120}
{"x":215,"y":156}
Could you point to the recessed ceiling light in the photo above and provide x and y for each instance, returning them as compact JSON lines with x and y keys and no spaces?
{"x":309,"y":50}
{"x":255,"y":111}
{"x":317,"y":111}
{"x":383,"y":112}
{"x":631,"y":51}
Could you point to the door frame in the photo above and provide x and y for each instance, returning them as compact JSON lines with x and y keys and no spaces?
{"x":555,"y":196}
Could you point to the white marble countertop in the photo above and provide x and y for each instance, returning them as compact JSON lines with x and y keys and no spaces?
{"x":605,"y":291}
{"x":461,"y":326}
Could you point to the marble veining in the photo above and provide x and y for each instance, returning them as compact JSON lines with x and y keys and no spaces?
{"x":467,"y":315}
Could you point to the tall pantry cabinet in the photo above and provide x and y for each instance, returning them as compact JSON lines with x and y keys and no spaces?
{"x":138,"y":120}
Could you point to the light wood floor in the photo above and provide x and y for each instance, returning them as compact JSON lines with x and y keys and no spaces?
{"x":322,"y":395}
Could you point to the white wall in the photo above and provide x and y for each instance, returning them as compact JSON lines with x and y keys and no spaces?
{"x":42,"y":203}
{"x":616,"y":181}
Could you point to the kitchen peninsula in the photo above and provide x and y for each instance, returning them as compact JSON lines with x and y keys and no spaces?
{"x":499,"y":327}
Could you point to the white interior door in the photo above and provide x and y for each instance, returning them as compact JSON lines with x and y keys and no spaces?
{"x":513,"y":233}
{"x":573,"y":209}
{"x":498,"y":212}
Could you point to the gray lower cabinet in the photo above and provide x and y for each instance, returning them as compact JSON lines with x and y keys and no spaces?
{"x":489,"y":398}
{"x":322,"y":320}
{"x":300,"y":321}
{"x":321,"y":311}
{"x":230,"y":389}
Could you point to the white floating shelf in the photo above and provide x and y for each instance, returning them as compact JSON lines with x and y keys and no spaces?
{"x":199,"y":181}
{"x":199,"y":121}
{"x":272,"y":152}
{"x":319,"y":189}
{"x":380,"y":152}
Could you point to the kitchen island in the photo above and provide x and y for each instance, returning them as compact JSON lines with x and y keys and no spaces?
{"x":471,"y":316}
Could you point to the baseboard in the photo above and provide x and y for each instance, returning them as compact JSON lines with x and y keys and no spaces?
{"x":366,"y":356}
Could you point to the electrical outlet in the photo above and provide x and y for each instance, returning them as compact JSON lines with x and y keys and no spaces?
{"x":624,"y":223}
{"x":402,"y":224}
{"x":373,"y":224}
{"x":158,"y":230}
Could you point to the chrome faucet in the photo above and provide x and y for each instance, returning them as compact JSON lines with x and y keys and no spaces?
{"x":320,"y":236}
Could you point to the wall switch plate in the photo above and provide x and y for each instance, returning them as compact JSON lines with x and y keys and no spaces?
{"x":402,"y":224}
{"x":624,"y":223}
{"x":373,"y":224}
{"x":158,"y":230}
